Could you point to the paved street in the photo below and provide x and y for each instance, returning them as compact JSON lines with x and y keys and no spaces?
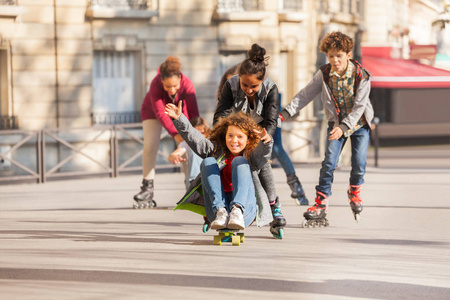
{"x":80,"y":239}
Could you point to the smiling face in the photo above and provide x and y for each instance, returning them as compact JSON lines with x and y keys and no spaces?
{"x":250,"y":84}
{"x":339,"y":60}
{"x":171,"y":85}
{"x":236,"y":140}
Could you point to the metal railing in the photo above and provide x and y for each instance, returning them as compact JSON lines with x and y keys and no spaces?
{"x":228,"y":6}
{"x":122,"y":4}
{"x":292,"y":4}
{"x":127,"y":133}
{"x":75,"y":143}
{"x":74,"y":152}
{"x":11,"y":143}
{"x":116,"y":118}
{"x":8,"y":2}
{"x":9,"y":122}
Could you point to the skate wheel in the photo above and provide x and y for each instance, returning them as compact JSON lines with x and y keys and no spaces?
{"x":281,"y":234}
{"x":305,"y":224}
{"x":217,"y":240}
{"x":277,"y":233}
{"x":297,"y":201}
{"x":236,"y":240}
{"x":241,"y":235}
{"x":135,"y":205}
{"x":357,"y":218}
{"x":153,"y":203}
{"x":206,"y":227}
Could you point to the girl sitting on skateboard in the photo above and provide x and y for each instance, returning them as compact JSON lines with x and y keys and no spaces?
{"x":234,"y":152}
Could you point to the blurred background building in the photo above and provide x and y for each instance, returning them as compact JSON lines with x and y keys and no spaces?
{"x":68,"y":64}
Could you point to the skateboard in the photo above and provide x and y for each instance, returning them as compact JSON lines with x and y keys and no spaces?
{"x":229,"y":235}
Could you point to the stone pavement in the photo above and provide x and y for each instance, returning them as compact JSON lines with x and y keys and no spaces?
{"x":80,"y":239}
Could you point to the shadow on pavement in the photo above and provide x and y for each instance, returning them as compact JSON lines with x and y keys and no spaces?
{"x":349,"y":288}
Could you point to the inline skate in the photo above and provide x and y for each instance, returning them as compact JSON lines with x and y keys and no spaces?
{"x":355,"y":201}
{"x":297,"y":190}
{"x":315,"y":216}
{"x":144,"y":199}
{"x":278,"y":223}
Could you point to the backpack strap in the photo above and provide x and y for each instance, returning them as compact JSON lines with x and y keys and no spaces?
{"x":326,"y":69}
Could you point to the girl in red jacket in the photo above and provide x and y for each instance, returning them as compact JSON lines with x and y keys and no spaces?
{"x":169,"y":86}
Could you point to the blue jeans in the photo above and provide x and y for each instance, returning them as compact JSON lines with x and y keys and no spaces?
{"x":280,"y":154}
{"x":360,"y":144}
{"x":243,"y":189}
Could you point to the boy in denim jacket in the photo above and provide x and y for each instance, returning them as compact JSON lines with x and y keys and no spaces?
{"x":344,"y":87}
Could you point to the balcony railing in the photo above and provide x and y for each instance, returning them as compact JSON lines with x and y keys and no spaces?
{"x":228,"y":6}
{"x":8,"y":2}
{"x":122,"y":4}
{"x":292,"y":5}
{"x":9,"y":122}
{"x":116,"y":118}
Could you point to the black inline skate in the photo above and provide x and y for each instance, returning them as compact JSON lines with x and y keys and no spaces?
{"x":278,"y":223}
{"x":144,"y":199}
{"x":315,"y":216}
{"x":297,"y":190}
{"x":355,"y":201}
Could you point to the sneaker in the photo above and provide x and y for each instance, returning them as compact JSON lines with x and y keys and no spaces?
{"x":236,"y":219}
{"x":221,"y":220}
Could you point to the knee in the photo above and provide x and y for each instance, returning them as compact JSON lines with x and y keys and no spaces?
{"x":275,"y":150}
{"x":239,"y":160}
{"x":207,"y":162}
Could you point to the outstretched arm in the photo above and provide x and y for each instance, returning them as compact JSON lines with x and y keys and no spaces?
{"x":265,"y":137}
{"x":174,"y":111}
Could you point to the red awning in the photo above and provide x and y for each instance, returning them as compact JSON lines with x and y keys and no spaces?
{"x":399,"y":73}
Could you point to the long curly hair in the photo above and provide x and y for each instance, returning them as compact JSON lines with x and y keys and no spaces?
{"x":242,"y":121}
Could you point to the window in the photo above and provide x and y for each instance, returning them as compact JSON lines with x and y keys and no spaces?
{"x":229,"y":59}
{"x":290,"y":5}
{"x":116,"y":87}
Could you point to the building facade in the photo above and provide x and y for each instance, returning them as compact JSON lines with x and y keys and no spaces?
{"x":68,"y":64}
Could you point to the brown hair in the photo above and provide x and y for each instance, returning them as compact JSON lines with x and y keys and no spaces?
{"x":336,"y":41}
{"x":256,"y":63}
{"x":199,"y":121}
{"x":170,"y":67}
{"x":231,"y":71}
{"x":242,"y":121}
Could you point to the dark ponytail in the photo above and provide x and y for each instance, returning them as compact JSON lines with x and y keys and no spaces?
{"x":256,"y":63}
{"x":170,"y":67}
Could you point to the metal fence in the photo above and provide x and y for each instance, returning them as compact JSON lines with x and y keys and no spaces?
{"x":8,"y":2}
{"x":62,"y":153}
{"x":122,"y":4}
{"x":116,"y":118}
{"x":227,"y":6}
{"x":9,"y":122}
{"x":292,"y":4}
